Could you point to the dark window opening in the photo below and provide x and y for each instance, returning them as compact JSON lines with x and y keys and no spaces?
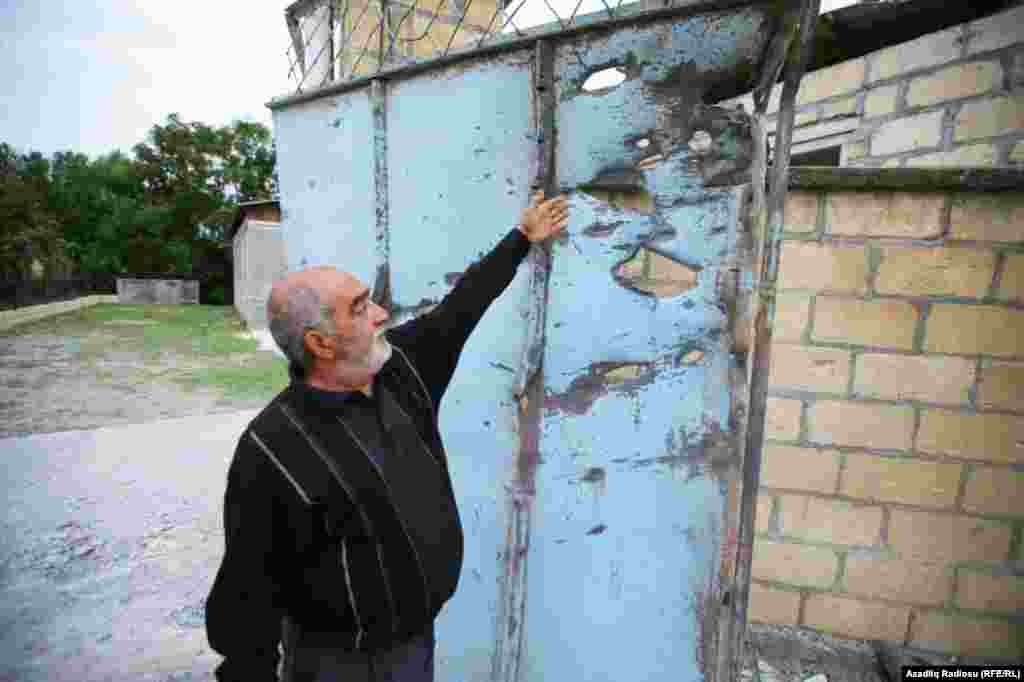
{"x":829,"y":156}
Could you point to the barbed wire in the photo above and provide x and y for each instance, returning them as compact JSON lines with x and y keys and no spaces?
{"x":339,"y":40}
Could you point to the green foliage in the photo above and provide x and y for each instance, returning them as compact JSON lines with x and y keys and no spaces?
{"x":168,"y":208}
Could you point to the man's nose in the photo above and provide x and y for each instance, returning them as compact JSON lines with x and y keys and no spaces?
{"x":382,"y":315}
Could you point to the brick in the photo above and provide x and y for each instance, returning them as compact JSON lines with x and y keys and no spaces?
{"x":1017,"y":153}
{"x":930,"y":50}
{"x":983,"y":437}
{"x":829,"y":520}
{"x":888,"y":324}
{"x":823,"y":267}
{"x":993,"y":217}
{"x":884,"y":214}
{"x":881,"y":101}
{"x":855,"y":150}
{"x":923,"y":131}
{"x":764,"y":513}
{"x":840,"y":107}
{"x":1001,"y":386}
{"x":992,"y":490}
{"x":800,"y":565}
{"x":964,"y":635}
{"x":855,"y":618}
{"x":871,"y":425}
{"x":954,"y":82}
{"x":997,"y":31}
{"x":791,"y":315}
{"x":1011,"y":284}
{"x":795,"y":468}
{"x":782,"y":420}
{"x":929,"y":379}
{"x":822,"y":370}
{"x":769,"y":605}
{"x":839,"y":79}
{"x":949,"y":537}
{"x":935,"y":271}
{"x":907,"y":481}
{"x":969,"y":329}
{"x":990,"y":592}
{"x":989,"y":117}
{"x":916,"y":582}
{"x":801,"y":211}
{"x":965,"y":155}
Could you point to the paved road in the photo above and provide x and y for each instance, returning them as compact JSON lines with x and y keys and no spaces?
{"x":109,"y":544}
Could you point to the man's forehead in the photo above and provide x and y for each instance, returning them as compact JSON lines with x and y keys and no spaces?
{"x":331,"y":281}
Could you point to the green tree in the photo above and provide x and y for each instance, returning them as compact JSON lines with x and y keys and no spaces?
{"x":28,"y":228}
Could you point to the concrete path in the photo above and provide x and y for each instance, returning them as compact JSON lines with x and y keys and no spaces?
{"x":110,"y":541}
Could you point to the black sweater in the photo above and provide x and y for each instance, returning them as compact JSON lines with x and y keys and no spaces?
{"x":392,"y":576}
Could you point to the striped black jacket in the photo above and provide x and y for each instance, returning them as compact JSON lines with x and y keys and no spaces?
{"x":399,"y":545}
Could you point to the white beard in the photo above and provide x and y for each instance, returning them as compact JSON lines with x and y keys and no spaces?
{"x":380,"y":353}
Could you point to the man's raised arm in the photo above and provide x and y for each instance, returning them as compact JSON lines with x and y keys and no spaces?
{"x":435,"y":340}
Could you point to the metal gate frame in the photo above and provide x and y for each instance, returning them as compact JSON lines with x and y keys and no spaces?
{"x":752,"y":292}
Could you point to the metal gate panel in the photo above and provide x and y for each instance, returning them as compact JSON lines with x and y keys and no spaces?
{"x":632,"y":488}
{"x":669,"y":66}
{"x":325,"y":167}
{"x":458,"y":143}
{"x":459,"y":147}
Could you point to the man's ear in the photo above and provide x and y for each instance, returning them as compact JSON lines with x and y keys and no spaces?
{"x":318,"y":344}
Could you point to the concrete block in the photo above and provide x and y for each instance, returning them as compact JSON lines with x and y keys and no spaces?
{"x":989,"y":117}
{"x":927,"y":51}
{"x":981,"y":437}
{"x":975,"y":329}
{"x":922,"y":131}
{"x":955,"y":82}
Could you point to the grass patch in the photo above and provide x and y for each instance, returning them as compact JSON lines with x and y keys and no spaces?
{"x":252,"y":381}
{"x":194,"y":329}
{"x":211,"y":338}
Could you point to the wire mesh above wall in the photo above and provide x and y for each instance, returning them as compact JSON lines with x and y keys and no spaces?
{"x":339,"y":40}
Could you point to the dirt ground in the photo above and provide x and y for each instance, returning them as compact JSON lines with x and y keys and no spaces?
{"x":103,"y":368}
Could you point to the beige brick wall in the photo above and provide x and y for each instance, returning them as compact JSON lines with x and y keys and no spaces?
{"x":892,"y":476}
{"x":951,"y":98}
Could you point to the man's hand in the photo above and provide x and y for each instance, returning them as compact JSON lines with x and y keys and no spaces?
{"x":544,"y":218}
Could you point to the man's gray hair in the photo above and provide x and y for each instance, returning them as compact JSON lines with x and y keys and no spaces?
{"x":302,"y":310}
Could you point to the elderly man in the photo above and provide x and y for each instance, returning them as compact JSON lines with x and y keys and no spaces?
{"x":354,"y":598}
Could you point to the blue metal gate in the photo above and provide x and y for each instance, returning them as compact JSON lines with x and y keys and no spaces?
{"x":595,"y":423}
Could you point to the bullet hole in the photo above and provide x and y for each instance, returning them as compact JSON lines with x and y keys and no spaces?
{"x":604,"y":80}
{"x":655,"y":274}
{"x":633,"y":199}
{"x":650,"y":161}
{"x":701,"y":142}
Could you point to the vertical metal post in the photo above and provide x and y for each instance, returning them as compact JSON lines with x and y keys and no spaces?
{"x":771,"y":217}
{"x":382,"y":281}
{"x":529,"y":391}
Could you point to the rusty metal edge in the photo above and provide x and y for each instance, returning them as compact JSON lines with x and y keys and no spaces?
{"x":760,"y":360}
{"x":529,"y":393}
{"x":512,"y":45}
{"x":382,"y":281}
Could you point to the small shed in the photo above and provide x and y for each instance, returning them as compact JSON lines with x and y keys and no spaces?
{"x":258,"y":257}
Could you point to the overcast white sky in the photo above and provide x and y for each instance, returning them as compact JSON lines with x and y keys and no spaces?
{"x":95,"y":75}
